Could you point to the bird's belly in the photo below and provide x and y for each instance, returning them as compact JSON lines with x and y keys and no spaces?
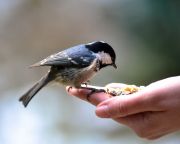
{"x":74,"y":77}
{"x":63,"y":81}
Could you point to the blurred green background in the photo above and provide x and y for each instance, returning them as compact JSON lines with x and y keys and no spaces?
{"x":144,"y":33}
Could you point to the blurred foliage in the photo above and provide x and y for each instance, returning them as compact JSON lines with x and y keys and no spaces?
{"x":156,"y":26}
{"x":145,"y":35}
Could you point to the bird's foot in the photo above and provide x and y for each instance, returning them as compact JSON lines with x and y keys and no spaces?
{"x":93,"y":89}
{"x":86,"y":83}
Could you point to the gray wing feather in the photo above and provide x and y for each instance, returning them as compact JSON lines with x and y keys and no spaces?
{"x":77,"y":56}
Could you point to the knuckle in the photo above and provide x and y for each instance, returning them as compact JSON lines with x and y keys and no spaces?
{"x":117,"y":109}
{"x":112,"y":111}
{"x":122,"y":109}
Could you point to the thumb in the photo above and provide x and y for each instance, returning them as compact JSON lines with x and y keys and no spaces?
{"x":125,"y":105}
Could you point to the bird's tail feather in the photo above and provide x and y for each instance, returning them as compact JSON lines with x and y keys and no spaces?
{"x":26,"y":98}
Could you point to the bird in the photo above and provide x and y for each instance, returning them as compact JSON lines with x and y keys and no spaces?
{"x":73,"y":66}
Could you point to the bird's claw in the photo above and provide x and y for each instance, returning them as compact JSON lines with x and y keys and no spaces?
{"x":93,"y":89}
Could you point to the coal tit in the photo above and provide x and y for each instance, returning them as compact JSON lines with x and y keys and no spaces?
{"x":73,"y":66}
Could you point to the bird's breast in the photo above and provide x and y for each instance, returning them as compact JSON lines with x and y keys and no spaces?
{"x":87,"y":73}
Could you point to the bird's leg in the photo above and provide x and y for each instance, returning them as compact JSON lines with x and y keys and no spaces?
{"x":86,"y":83}
{"x":93,"y":88}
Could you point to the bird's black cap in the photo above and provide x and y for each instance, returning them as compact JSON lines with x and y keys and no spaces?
{"x":99,"y":46}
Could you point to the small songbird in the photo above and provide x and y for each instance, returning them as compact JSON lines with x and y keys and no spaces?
{"x":73,"y":66}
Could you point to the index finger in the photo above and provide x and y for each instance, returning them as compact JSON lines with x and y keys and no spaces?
{"x":94,"y":99}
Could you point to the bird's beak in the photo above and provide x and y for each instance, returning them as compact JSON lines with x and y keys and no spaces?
{"x":114,"y":65}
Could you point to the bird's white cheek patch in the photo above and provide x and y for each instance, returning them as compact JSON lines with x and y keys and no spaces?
{"x":105,"y":58}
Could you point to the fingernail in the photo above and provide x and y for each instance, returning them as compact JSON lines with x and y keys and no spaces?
{"x":102,"y":111}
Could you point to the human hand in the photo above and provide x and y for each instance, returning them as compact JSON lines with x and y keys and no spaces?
{"x":152,"y":112}
{"x":95,"y":98}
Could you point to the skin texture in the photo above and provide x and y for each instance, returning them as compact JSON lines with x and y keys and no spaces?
{"x":152,"y":112}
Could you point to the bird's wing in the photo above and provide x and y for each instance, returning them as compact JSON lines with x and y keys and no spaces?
{"x":77,"y":56}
